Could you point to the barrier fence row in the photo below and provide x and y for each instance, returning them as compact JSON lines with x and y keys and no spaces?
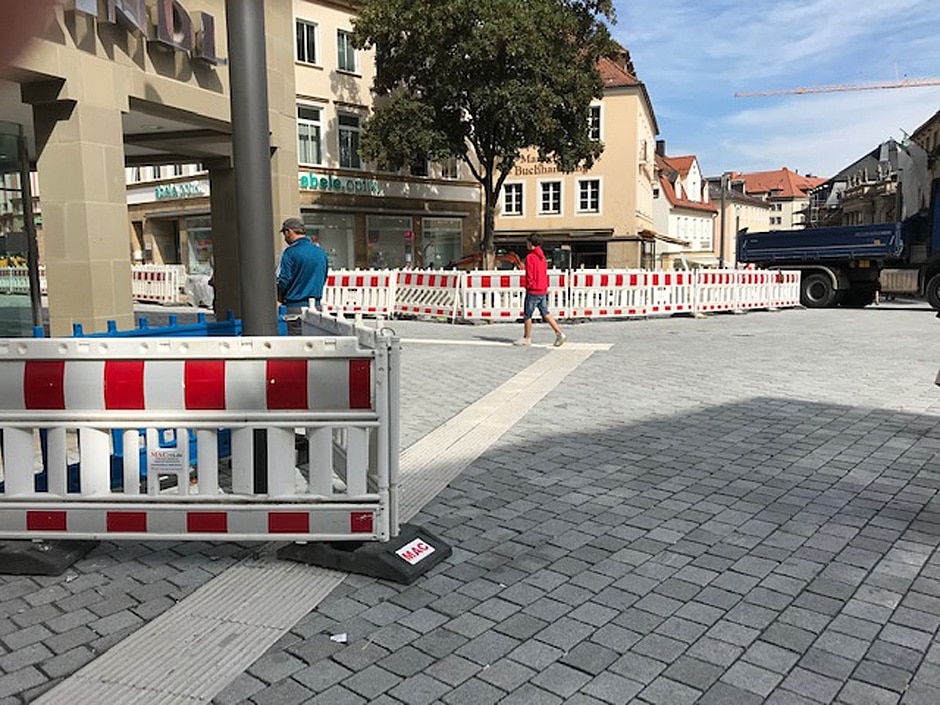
{"x":313,"y":426}
{"x":500,"y":295}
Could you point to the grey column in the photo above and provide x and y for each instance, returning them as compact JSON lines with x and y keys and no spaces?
{"x":252,"y":149}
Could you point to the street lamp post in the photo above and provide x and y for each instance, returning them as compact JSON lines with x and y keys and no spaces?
{"x":251,"y":144}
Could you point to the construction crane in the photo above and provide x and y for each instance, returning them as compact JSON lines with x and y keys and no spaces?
{"x":900,"y":83}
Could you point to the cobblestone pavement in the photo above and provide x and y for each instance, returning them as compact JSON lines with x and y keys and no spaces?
{"x":732,"y":510}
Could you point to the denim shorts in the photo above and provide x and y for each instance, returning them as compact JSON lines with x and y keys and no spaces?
{"x":535,"y":301}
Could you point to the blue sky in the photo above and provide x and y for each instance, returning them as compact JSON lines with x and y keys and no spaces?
{"x":694,"y":55}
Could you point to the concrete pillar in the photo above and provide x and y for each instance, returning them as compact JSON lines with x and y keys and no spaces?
{"x":84,"y":207}
{"x":224,"y":238}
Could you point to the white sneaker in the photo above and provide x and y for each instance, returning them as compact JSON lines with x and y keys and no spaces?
{"x":560,"y":340}
{"x":523,"y":342}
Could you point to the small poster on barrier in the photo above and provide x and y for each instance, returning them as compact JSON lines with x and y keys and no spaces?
{"x":166,"y":461}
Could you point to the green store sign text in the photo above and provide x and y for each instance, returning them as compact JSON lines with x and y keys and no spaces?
{"x":313,"y":182}
{"x":193,"y":189}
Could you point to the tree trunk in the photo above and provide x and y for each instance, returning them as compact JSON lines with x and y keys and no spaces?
{"x":489,"y":225}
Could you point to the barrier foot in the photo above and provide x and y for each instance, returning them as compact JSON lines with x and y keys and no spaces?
{"x":41,"y":557}
{"x":403,"y":559}
{"x":699,"y":315}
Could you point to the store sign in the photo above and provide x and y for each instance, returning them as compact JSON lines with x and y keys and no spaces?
{"x":192,"y":189}
{"x":362,"y":187}
{"x":173,"y":27}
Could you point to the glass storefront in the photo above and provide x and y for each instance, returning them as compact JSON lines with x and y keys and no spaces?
{"x":389,"y":242}
{"x":336,"y":233}
{"x":440,"y":241}
{"x":19,"y":302}
{"x":199,"y":246}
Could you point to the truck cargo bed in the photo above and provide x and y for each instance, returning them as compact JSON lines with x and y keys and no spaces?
{"x":880,"y":241}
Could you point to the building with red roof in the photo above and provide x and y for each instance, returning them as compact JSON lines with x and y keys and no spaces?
{"x":683,"y":210}
{"x":785,"y":190}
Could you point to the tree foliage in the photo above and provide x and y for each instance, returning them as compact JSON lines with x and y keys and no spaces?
{"x":482,"y":80}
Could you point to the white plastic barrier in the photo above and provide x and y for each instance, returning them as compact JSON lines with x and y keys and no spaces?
{"x":370,"y":293}
{"x":670,"y":292}
{"x":492,"y":296}
{"x":716,"y":290}
{"x":428,"y":293}
{"x":754,"y":289}
{"x":159,"y":283}
{"x":336,"y":388}
{"x":786,"y":289}
{"x":608,"y":294}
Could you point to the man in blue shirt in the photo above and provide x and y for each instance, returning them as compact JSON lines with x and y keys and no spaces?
{"x":301,"y":273}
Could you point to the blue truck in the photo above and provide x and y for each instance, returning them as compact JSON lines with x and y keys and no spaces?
{"x":845,"y":265}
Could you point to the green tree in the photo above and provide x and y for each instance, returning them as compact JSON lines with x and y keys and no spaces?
{"x":482,"y":80}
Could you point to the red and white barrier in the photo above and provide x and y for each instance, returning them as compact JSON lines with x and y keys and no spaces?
{"x":367,"y":293}
{"x":608,"y":294}
{"x":492,"y":296}
{"x":159,"y":283}
{"x":335,"y":388}
{"x":670,"y":292}
{"x":716,"y":290}
{"x":428,"y":293}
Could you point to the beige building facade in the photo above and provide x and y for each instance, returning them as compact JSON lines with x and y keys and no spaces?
{"x":602,"y":216}
{"x":116,"y":85}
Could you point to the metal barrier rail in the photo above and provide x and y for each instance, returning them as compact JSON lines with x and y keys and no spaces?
{"x":335,"y":388}
{"x":370,"y":293}
{"x":428,"y":293}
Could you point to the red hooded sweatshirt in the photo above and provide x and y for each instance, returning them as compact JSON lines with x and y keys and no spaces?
{"x":536,"y":272}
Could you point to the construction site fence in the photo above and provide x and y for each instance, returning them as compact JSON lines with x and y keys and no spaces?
{"x":313,"y":424}
{"x":572,"y":294}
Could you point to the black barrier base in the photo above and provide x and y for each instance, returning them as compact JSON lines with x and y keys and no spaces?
{"x":41,"y":557}
{"x":404,"y":559}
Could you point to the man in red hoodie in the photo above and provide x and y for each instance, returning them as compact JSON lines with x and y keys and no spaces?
{"x":536,"y":292}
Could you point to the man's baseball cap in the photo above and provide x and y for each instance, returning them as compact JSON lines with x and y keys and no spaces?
{"x":295,"y":224}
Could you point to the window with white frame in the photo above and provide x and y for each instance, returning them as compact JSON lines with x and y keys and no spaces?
{"x":550,"y":198}
{"x":512,"y":199}
{"x":346,"y":52}
{"x":349,"y":130}
{"x":306,"y":42}
{"x":589,"y":196}
{"x":309,"y":149}
{"x":594,"y":123}
{"x":450,"y":169}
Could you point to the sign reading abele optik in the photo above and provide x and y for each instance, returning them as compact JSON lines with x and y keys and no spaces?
{"x":170,"y":24}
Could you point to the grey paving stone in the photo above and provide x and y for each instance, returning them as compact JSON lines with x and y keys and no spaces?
{"x":698,"y":674}
{"x":487,"y":647}
{"x":336,"y":695}
{"x":419,"y":690}
{"x":812,"y":685}
{"x":771,"y":657}
{"x":883,"y":675}
{"x":637,"y":667}
{"x":67,"y":663}
{"x":665,"y":691}
{"x":590,"y":657}
{"x":610,"y":688}
{"x":290,"y":692}
{"x":531,"y":695}
{"x":440,"y":642}
{"x":858,"y":693}
{"x":321,"y":676}
{"x":720,"y":653}
{"x":755,"y":679}
{"x":536,"y":654}
{"x":842,"y":645}
{"x":239,"y":690}
{"x":371,"y":682}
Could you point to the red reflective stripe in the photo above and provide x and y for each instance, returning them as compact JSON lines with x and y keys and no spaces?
{"x":207,"y":522}
{"x":605,"y":280}
{"x":286,"y":384}
{"x":44,"y":384}
{"x":46,"y":521}
{"x":127,"y":522}
{"x":484,"y":282}
{"x":360,"y":522}
{"x":504,"y":282}
{"x":288,"y":523}
{"x":124,"y":384}
{"x":374,"y":281}
{"x":204,"y":384}
{"x":360,"y":384}
{"x":344,"y":281}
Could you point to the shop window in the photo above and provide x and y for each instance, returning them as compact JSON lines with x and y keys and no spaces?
{"x":349,"y":141}
{"x":306,"y":42}
{"x":336,"y":237}
{"x":589,"y":196}
{"x":594,"y":123}
{"x":388,"y":242}
{"x":199,"y":245}
{"x":550,"y":202}
{"x":441,"y":241}
{"x":346,"y":59}
{"x":512,"y":199}
{"x":308,"y":135}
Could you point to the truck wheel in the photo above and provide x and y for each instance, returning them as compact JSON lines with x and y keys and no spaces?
{"x":817,"y":291}
{"x":933,"y":292}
